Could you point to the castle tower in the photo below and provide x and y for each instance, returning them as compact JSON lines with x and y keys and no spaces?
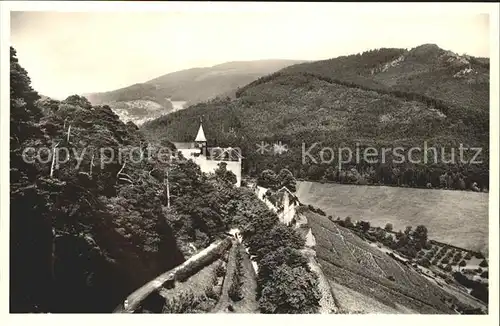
{"x":201,"y":140}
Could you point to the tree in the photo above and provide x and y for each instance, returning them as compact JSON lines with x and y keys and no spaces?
{"x":348,"y":222}
{"x":290,"y":290}
{"x":283,"y":255}
{"x":268,"y":179}
{"x":420,"y":234}
{"x":224,"y":175}
{"x":484,"y":263}
{"x":364,"y":226}
{"x":280,"y":235}
{"x":424,"y":262}
{"x":462,"y":263}
{"x":408,"y":230}
{"x":285,"y":179}
{"x":388,"y":227}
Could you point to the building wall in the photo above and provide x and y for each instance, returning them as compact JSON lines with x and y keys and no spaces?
{"x":209,"y":166}
{"x":188,"y":152}
{"x":287,"y":213}
{"x":288,"y":210}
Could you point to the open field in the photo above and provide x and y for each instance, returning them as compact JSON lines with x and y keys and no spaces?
{"x":357,"y":270}
{"x":459,"y":218}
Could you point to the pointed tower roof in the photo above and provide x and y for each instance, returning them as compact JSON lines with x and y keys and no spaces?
{"x":200,"y":136}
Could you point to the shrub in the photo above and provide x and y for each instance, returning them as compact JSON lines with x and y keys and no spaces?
{"x":280,"y":235}
{"x":185,"y":302}
{"x":210,"y":293}
{"x":479,"y":255}
{"x":462,"y":263}
{"x":448,"y":268}
{"x":457,"y":256}
{"x":424,"y":262}
{"x":348,"y":222}
{"x":445,"y":260}
{"x":235,"y":288}
{"x":468,"y":256}
{"x":290,"y":290}
{"x":484,"y":274}
{"x":484,"y":263}
{"x":220,"y":271}
{"x":320,"y":212}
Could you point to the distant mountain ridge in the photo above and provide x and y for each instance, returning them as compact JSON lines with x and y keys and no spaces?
{"x":144,"y":101}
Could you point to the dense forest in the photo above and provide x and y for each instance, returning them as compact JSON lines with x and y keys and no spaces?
{"x":385,"y":98}
{"x":88,"y":226}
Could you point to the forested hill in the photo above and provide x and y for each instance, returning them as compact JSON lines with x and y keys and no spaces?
{"x":196,"y":84}
{"x":381,"y":98}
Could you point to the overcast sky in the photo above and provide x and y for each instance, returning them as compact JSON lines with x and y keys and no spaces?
{"x":67,"y":53}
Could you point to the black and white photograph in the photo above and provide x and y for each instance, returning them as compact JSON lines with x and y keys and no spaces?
{"x":250,"y":158}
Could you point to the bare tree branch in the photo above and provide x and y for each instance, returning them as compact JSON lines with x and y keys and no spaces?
{"x":91,"y":164}
{"x":69,"y":133}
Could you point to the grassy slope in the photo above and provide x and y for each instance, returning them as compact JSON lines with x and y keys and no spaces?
{"x":455,"y":217}
{"x":355,"y":266}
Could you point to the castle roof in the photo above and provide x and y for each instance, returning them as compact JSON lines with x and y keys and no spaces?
{"x":285,"y":189}
{"x":200,"y":137}
{"x":181,"y":145}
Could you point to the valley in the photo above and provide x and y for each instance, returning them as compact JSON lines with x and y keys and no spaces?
{"x":175,"y":91}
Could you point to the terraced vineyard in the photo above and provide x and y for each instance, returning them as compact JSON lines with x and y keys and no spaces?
{"x":350,"y":263}
{"x":459,"y":218}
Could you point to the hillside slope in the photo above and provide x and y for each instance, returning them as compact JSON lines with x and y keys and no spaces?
{"x":380,"y":98}
{"x":191,"y":85}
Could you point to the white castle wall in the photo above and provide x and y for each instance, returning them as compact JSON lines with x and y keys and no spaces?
{"x":189,"y":152}
{"x":288,"y":212}
{"x":261,"y":191}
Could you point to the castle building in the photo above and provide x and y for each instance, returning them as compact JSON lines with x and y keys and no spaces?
{"x":208,"y":158}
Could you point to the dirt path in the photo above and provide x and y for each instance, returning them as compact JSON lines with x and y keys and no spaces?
{"x":249,"y":302}
{"x":224,"y":299}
